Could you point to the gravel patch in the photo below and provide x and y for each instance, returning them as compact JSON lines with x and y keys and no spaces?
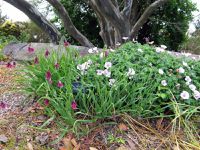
{"x":11,"y":102}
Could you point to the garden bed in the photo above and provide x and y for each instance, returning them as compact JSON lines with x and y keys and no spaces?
{"x":27,"y":122}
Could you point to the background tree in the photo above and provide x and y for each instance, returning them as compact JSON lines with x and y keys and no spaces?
{"x":128,"y":18}
{"x":2,"y":17}
{"x":168,"y":25}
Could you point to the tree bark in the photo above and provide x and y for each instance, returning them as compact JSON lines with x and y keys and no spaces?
{"x":68,"y":24}
{"x":144,"y":17}
{"x":37,"y":18}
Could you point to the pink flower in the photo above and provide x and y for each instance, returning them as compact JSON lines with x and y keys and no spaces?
{"x":46,"y":102}
{"x":48,"y":77}
{"x":47,"y":53}
{"x":74,"y":105}
{"x":30,"y":49}
{"x":57,"y":66}
{"x":14,"y":63}
{"x":60,"y":84}
{"x":66,"y":44}
{"x":36,"y":60}
{"x":106,"y":53}
{"x":9,"y":65}
{"x":2,"y":105}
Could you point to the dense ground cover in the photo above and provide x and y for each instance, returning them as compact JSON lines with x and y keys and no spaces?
{"x":98,"y":95}
{"x":136,"y":79}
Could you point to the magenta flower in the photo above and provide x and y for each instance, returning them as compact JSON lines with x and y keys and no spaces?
{"x":47,"y":53}
{"x":74,"y":105}
{"x":66,"y":44}
{"x":46,"y":102}
{"x":36,"y":60}
{"x":9,"y":65}
{"x":60,"y":84}
{"x":48,"y":77}
{"x":30,"y":49}
{"x":57,"y":66}
{"x":14,"y":63}
{"x":2,"y":105}
{"x":106,"y":53}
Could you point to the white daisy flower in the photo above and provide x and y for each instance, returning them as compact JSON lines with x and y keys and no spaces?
{"x":151,"y":42}
{"x":181,"y":70}
{"x":100,"y":72}
{"x":111,"y":82}
{"x":125,"y":38}
{"x":95,"y":50}
{"x":90,"y":51}
{"x":192,"y":87}
{"x":140,"y":50}
{"x":159,"y":49}
{"x":79,"y":67}
{"x":107,"y":73}
{"x":185,"y":95}
{"x":111,"y":50}
{"x":196,"y":94}
{"x":163,"y":46}
{"x":160,"y":71}
{"x":131,"y":72}
{"x":101,"y":55}
{"x":188,"y":79}
{"x":118,"y":44}
{"x":164,"y":82}
{"x":108,"y":65}
{"x":89,"y":62}
{"x":185,"y":64}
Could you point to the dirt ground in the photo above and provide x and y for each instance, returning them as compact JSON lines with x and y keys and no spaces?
{"x":23,"y":126}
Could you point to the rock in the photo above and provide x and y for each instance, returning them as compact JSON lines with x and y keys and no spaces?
{"x":42,"y":117}
{"x":42,"y":139}
{"x":3,"y":138}
{"x":19,"y":51}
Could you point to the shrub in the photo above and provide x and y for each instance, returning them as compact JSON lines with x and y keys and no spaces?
{"x":192,"y":44}
{"x":136,"y":79}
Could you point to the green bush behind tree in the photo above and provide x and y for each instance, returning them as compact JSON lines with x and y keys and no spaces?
{"x":168,"y":25}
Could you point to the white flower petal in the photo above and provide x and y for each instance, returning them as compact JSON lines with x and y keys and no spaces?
{"x":185,"y":95}
{"x":108,"y":65}
{"x":164,"y":82}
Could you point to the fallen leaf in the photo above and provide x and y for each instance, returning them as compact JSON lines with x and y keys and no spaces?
{"x":63,"y":148}
{"x":30,"y":146}
{"x":122,"y":148}
{"x":93,"y":148}
{"x":73,"y":141}
{"x":67,"y":144}
{"x":159,"y":125}
{"x":131,"y":144}
{"x":122,"y":127}
{"x":77,"y":147}
{"x":3,"y":138}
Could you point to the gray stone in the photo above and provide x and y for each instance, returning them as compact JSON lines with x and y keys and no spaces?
{"x":42,"y":139}
{"x":3,"y":138}
{"x":19,"y":51}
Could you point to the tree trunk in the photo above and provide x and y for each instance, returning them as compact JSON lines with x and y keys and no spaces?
{"x":68,"y":24}
{"x":37,"y":18}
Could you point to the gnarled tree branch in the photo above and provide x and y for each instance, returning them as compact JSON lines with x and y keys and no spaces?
{"x":142,"y":20}
{"x":37,"y":18}
{"x":68,"y":24}
{"x":127,"y":8}
{"x":112,"y":14}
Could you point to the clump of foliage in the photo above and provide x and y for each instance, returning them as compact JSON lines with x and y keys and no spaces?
{"x":32,"y":33}
{"x":192,"y":44}
{"x":168,"y":24}
{"x":140,"y":80}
